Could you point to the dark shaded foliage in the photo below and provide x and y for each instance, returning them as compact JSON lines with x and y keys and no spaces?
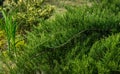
{"x":1,"y":2}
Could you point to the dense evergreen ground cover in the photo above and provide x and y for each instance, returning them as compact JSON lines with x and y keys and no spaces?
{"x":84,"y":40}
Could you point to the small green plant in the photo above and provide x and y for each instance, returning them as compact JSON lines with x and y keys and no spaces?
{"x":10,"y":30}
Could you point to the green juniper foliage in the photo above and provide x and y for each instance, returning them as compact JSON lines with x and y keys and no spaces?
{"x":85,"y":40}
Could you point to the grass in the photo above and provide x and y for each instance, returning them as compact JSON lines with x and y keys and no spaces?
{"x":10,"y":30}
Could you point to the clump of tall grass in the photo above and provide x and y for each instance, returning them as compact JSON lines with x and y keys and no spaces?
{"x":10,"y":31}
{"x":8,"y":56}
